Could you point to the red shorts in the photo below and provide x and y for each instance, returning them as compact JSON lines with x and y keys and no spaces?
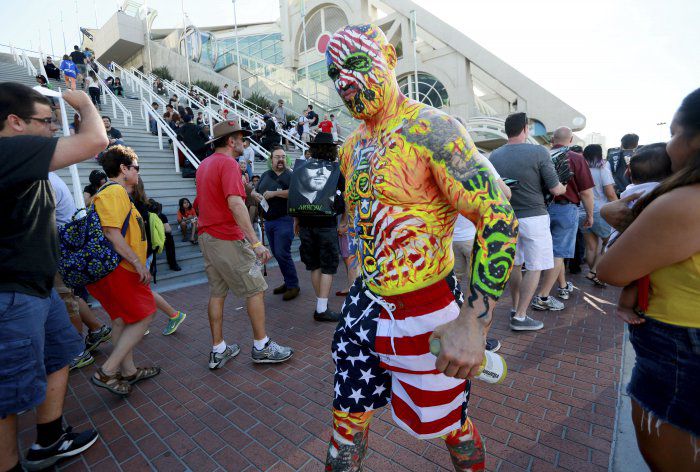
{"x":123,"y":296}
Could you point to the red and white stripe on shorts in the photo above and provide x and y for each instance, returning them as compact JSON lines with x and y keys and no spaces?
{"x":424,"y":402}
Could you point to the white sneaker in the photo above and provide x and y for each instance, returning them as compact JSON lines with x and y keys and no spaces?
{"x":550,"y":303}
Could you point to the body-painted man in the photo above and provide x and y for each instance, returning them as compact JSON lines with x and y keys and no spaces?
{"x":409,"y":170}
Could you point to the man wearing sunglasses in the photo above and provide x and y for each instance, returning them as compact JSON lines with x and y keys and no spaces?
{"x":37,"y":340}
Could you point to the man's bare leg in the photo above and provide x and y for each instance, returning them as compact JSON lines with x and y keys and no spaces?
{"x":256,"y":313}
{"x":348,"y":445}
{"x":550,"y":276}
{"x":516,"y":278}
{"x":466,"y":448}
{"x":216,"y":319}
{"x":87,"y":316}
{"x":527,"y":291}
{"x":316,"y":281}
{"x":124,"y":342}
{"x":9,"y":454}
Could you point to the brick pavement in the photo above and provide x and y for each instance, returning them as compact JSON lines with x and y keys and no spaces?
{"x":556,"y":409}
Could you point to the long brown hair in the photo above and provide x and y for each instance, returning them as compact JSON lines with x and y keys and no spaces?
{"x":139,"y":193}
{"x":688,"y":116}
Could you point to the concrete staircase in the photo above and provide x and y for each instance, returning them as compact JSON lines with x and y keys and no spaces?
{"x":157,"y":171}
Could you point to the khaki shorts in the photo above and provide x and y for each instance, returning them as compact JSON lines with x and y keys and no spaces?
{"x":463,"y":257}
{"x":227,"y":264}
{"x":68,"y":297}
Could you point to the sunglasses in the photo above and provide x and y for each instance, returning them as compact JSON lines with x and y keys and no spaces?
{"x":46,"y":121}
{"x":134,"y":167}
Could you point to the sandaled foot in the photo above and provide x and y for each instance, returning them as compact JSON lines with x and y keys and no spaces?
{"x":142,"y":373}
{"x":113,"y":383}
{"x":593,"y":277}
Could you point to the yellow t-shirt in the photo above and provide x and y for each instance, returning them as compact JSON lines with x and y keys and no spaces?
{"x":113,"y":205}
{"x":675,"y":293}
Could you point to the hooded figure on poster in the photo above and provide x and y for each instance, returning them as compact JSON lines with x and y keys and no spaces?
{"x":312,"y":191}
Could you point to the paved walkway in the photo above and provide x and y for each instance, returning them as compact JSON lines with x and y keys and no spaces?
{"x":556,"y":409}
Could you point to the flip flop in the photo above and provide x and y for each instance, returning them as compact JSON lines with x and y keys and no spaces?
{"x":341,"y":293}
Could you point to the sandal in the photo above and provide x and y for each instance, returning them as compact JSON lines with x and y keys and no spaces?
{"x":113,"y":383}
{"x":341,"y":293}
{"x":595,"y":279}
{"x":142,"y":373}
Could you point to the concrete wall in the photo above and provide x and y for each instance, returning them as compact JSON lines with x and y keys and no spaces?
{"x":120,"y":38}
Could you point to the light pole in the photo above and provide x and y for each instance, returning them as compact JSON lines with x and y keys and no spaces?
{"x":77,"y":21}
{"x":63,"y":30}
{"x":238,"y":54}
{"x":306,"y":55}
{"x":184,"y":40}
{"x":148,"y":37}
{"x":414,"y":38}
{"x":53,"y":52}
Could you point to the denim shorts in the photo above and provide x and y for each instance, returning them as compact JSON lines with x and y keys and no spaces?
{"x":36,"y":339}
{"x":563,"y":223}
{"x":665,"y":378}
{"x":600,"y":227}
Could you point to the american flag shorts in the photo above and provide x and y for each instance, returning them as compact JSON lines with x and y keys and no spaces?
{"x":382,"y":355}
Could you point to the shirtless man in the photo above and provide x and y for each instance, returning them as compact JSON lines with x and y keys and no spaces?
{"x":410,"y":169}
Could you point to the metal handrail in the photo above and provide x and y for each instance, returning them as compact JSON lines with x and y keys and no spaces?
{"x":148,"y":111}
{"x":213,"y":113}
{"x":107,"y":92}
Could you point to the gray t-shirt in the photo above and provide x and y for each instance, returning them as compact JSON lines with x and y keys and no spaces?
{"x":65,"y":205}
{"x":531,"y":165}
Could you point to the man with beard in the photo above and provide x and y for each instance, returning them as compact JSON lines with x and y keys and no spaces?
{"x":410,"y":170}
{"x":279,"y":226}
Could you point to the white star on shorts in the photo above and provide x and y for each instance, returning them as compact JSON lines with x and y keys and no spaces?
{"x":357,"y":395}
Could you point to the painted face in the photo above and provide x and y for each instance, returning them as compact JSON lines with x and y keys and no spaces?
{"x":356,"y":62}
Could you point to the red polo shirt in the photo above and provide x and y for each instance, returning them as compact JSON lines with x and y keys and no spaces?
{"x":582,"y":179}
{"x":218,"y":177}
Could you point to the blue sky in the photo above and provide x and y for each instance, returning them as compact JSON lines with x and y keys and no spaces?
{"x":625,"y":64}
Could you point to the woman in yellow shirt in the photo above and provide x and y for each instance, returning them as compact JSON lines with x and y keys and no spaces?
{"x":663,"y":241}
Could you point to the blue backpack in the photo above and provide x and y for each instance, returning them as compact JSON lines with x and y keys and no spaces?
{"x":85,"y":253}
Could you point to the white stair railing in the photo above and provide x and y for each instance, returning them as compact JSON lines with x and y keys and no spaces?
{"x":147,"y":96}
{"x":102,"y":73}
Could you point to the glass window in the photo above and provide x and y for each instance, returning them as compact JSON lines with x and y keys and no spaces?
{"x":430,"y":90}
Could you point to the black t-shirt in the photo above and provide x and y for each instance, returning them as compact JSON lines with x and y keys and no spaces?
{"x":28,"y":239}
{"x":271,"y":181}
{"x":114,"y":133}
{"x":313,"y":118}
{"x":327,"y":221}
{"x":77,"y":57}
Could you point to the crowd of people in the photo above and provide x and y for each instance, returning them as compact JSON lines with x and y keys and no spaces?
{"x":425,"y":261}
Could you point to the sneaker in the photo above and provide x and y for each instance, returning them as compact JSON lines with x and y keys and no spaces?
{"x":272,"y":353}
{"x":493,"y":345}
{"x":327,"y":315}
{"x":68,"y":445}
{"x":528,"y":324}
{"x":174,"y":323}
{"x":217,"y":360}
{"x":550,"y":303}
{"x":565,"y":292}
{"x":280,"y":290}
{"x":291,"y":294}
{"x":81,"y":360}
{"x":93,"y":340}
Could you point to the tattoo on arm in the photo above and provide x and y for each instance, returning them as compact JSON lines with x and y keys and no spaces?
{"x":497,"y":227}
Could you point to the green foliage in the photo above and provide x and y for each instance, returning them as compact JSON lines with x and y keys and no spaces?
{"x":163,"y":72}
{"x":261,"y":102}
{"x":208,"y":86}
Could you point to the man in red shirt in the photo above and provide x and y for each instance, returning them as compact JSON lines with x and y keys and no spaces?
{"x":326,"y":126}
{"x":563,"y":222}
{"x":232,"y":252}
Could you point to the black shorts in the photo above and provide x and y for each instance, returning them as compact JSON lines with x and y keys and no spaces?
{"x":319,"y":249}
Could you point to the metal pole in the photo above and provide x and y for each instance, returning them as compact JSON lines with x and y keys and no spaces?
{"x":148,"y":38}
{"x":238,"y":54}
{"x":75,"y":177}
{"x":94,"y":6}
{"x":306,"y":55}
{"x":65,"y":47}
{"x":414,"y":38}
{"x":53,"y":51}
{"x":184,"y":40}
{"x":77,"y":21}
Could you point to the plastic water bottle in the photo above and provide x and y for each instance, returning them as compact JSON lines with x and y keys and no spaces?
{"x":256,"y":268}
{"x":493,"y":367}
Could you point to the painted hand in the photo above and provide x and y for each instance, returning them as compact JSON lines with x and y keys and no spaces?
{"x":462,"y":346}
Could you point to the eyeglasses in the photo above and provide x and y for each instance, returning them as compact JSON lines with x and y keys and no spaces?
{"x":46,"y":121}
{"x":134,"y":167}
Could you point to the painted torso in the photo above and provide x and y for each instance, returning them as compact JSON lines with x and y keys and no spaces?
{"x":403,"y":221}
